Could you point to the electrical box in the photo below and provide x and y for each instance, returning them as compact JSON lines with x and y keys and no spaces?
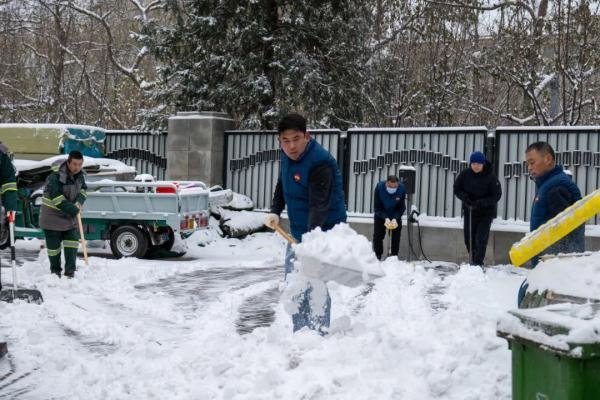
{"x":408,"y":176}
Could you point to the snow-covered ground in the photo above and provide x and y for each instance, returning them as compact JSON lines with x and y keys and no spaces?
{"x":210,"y":326}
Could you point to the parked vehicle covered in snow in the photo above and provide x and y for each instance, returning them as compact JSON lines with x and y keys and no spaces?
{"x":39,"y":141}
{"x":137,"y":217}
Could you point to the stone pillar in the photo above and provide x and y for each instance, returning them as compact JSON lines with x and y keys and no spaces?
{"x":195,"y":146}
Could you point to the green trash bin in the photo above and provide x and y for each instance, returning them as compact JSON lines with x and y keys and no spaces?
{"x":555,"y":351}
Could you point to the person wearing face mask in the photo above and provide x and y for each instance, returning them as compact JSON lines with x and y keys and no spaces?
{"x":389,"y":205}
{"x":480,"y":191}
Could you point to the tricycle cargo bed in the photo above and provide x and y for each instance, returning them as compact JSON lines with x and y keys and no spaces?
{"x":117,"y":199}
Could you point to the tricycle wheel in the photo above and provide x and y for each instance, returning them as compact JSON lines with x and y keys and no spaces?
{"x":128,"y":241}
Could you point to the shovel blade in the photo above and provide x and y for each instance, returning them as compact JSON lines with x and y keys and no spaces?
{"x":28,"y":295}
{"x":314,"y":268}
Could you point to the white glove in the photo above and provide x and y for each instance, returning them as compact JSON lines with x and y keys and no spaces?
{"x":391,"y":225}
{"x":271,"y":220}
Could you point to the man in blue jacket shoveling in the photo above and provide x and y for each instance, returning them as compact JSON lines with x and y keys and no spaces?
{"x":389,"y":206}
{"x":310,"y":185}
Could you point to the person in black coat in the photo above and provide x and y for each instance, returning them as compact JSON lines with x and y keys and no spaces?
{"x":480,"y":191}
{"x":389,"y":204}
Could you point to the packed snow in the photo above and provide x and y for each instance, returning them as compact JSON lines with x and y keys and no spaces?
{"x":242,"y":220}
{"x":211,"y":326}
{"x":107,"y":165}
{"x":241,"y":202}
{"x":340,"y":248}
{"x":568,"y":275}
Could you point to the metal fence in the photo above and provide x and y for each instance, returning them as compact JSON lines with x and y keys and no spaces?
{"x":143,"y":150}
{"x":367,"y":156}
{"x":252,"y":161}
{"x":577,"y":150}
{"x":437,"y":154}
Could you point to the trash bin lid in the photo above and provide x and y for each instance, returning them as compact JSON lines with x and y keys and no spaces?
{"x":569,"y":329}
{"x":568,"y":275}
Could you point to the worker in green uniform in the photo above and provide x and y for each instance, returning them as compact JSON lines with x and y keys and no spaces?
{"x":64,"y":194}
{"x":8,"y":191}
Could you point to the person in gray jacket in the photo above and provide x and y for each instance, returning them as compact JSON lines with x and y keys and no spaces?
{"x":64,"y":194}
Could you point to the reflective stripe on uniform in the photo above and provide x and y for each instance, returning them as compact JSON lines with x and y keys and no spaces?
{"x":83,"y":193}
{"x":59,"y":199}
{"x":49,"y":203}
{"x":73,"y":244}
{"x":54,"y":252}
{"x":8,"y":186}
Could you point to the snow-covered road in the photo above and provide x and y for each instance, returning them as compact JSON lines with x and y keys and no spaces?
{"x":212,"y":327}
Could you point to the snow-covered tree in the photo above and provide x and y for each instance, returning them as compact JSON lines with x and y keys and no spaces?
{"x":259,"y":59}
{"x":541,"y":59}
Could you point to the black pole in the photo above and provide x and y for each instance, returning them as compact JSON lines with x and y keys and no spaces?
{"x":470,"y":235}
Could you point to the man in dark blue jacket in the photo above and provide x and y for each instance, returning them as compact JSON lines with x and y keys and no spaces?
{"x":555,"y":191}
{"x":310,"y":185}
{"x":480,"y":191}
{"x":389,"y":205}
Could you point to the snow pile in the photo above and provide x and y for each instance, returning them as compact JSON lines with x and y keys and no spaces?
{"x":572,"y":276}
{"x":96,"y":165}
{"x":340,"y":246}
{"x":144,"y":329}
{"x":241,"y":221}
{"x":218,"y":197}
{"x":240,"y":202}
{"x":203,"y":237}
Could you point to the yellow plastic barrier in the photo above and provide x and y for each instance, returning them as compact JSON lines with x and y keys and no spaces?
{"x":555,"y":229}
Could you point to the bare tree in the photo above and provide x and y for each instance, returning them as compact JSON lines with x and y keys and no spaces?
{"x":72,"y":63}
{"x":536,"y":63}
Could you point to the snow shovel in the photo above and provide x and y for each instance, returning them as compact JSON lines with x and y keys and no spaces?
{"x":284,"y":234}
{"x":82,"y":238}
{"x":314,"y":268}
{"x":470,"y":235}
{"x":389,"y":232}
{"x":9,"y":295}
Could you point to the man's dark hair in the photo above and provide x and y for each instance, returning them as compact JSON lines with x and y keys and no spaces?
{"x":541,"y":147}
{"x":392,"y":178}
{"x":295,"y":122}
{"x":75,"y":155}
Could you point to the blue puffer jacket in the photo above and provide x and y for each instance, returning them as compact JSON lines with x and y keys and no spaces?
{"x":556,"y":191}
{"x":294,"y":180}
{"x":388,"y":205}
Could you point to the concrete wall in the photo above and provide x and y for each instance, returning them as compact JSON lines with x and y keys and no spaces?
{"x":195,"y":146}
{"x":447,"y":244}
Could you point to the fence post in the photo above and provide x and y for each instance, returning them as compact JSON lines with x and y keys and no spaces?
{"x":195,"y":146}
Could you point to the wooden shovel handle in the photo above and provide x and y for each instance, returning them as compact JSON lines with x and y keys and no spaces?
{"x":83,"y":241}
{"x":283,"y":233}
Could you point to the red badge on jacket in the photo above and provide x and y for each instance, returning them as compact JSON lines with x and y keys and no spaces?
{"x":297,"y":176}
